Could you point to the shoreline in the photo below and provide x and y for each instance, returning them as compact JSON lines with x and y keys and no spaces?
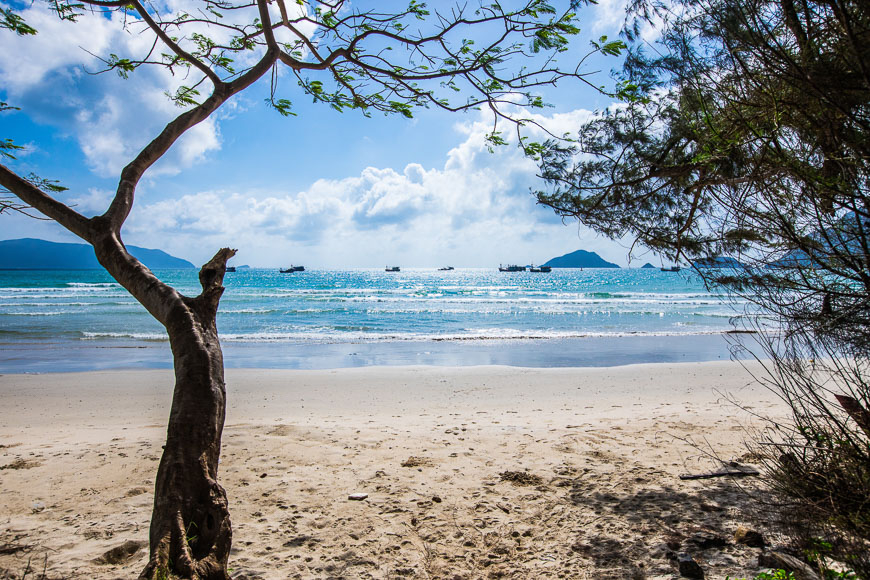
{"x":433,"y":447}
{"x":46,"y":356}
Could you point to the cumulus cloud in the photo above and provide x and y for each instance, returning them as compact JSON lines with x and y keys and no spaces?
{"x":475,"y":210}
{"x":609,"y":16}
{"x":112,"y":119}
{"x":95,"y":202}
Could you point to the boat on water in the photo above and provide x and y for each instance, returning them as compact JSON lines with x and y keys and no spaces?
{"x":671,"y":269}
{"x":392,"y":269}
{"x":292,"y":269}
{"x":511,"y":268}
{"x":445,"y":269}
{"x":540,"y":269}
{"x":231,"y":268}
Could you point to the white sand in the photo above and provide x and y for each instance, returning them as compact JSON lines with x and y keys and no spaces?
{"x":79,"y":452}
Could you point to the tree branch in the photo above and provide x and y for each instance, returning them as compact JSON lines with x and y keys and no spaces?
{"x":44,"y":203}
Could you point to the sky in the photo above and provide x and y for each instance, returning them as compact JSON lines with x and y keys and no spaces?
{"x":324,"y":189}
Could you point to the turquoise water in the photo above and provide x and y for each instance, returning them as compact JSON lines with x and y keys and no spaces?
{"x":264,"y":311}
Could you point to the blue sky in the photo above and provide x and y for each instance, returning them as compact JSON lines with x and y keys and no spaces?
{"x":325,"y":189}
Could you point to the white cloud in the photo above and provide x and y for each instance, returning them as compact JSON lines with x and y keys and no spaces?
{"x":609,"y":16}
{"x":96,"y":202}
{"x":476,"y":210}
{"x":112,"y":119}
{"x":26,"y":61}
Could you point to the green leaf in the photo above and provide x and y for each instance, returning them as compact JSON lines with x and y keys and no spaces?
{"x":283,"y":106}
{"x":614,"y":48}
{"x":403,"y":108}
{"x":66,"y":10}
{"x":51,"y":185}
{"x":6,"y":145}
{"x":11,"y":21}
{"x":533,"y":150}
{"x":184,"y":96}
{"x":493,"y":140}
{"x":124,"y":66}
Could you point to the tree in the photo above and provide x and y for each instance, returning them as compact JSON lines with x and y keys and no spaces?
{"x":350,"y":58}
{"x":745,"y":137}
{"x":744,"y":131}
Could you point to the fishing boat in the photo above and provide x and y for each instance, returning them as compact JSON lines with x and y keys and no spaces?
{"x":445,"y":269}
{"x":231,"y":268}
{"x":292,"y":269}
{"x":392,"y":269}
{"x":540,"y":269}
{"x":511,"y":268}
{"x":671,"y":269}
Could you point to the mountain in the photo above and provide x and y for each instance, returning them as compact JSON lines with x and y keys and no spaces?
{"x":580,"y":259}
{"x":647,"y":266}
{"x":31,"y":254}
{"x":847,"y":236}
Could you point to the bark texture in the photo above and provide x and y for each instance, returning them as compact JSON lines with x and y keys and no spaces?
{"x":190,"y":533}
{"x":190,"y":527}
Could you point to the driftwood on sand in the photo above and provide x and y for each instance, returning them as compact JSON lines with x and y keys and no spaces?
{"x":729,"y":468}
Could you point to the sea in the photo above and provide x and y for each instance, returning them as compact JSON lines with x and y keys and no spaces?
{"x":81,"y":320}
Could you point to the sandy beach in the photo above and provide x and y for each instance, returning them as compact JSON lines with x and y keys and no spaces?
{"x":471,"y":472}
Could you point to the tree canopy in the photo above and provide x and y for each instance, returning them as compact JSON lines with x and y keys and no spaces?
{"x":744,"y":132}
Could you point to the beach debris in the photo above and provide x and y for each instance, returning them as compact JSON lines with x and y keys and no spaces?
{"x":120,"y":554}
{"x":37,"y":507}
{"x":300,"y":541}
{"x":706,"y":539}
{"x":11,"y":543}
{"x":749,"y":537}
{"x":664,"y":551}
{"x":133,"y":492}
{"x":728,"y":468}
{"x":521,"y":478}
{"x":858,"y":413}
{"x":247,"y":575}
{"x":21,"y":464}
{"x":689,"y":567}
{"x":357,"y":496}
{"x":414,"y":461}
{"x":782,"y":561}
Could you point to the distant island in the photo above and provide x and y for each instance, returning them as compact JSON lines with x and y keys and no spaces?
{"x":647,"y":265}
{"x":580,"y":259}
{"x":33,"y":254}
{"x":718,"y":262}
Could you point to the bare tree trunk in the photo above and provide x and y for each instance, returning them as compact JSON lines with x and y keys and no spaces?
{"x":190,"y":525}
